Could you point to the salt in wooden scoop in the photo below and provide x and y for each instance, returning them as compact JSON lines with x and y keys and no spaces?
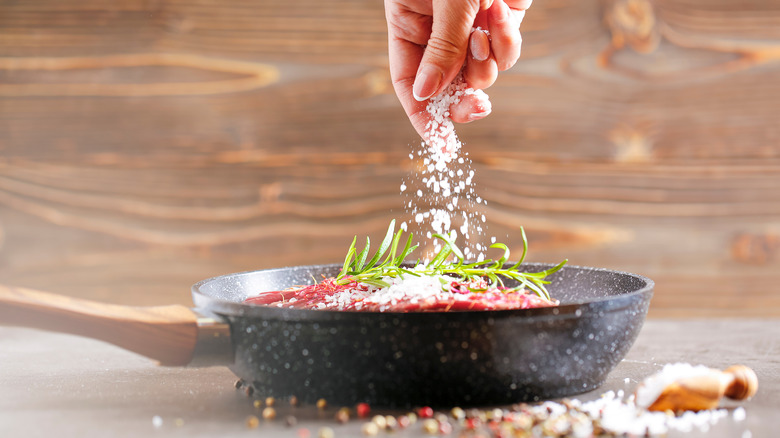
{"x":684,"y":387}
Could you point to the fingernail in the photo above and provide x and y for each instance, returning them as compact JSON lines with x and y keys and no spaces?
{"x":427,"y":82}
{"x":479,"y":44}
{"x":476,"y":116}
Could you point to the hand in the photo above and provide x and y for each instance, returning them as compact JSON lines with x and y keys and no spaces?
{"x":429,"y":41}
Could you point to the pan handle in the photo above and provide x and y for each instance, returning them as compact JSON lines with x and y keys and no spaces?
{"x":169,"y":334}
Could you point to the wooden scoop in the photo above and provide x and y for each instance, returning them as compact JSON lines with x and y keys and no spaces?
{"x":704,"y":391}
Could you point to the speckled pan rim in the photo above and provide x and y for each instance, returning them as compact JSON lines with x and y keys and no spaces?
{"x":565,"y":311}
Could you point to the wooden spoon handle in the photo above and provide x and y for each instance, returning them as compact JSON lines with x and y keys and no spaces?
{"x":704,"y":391}
{"x":744,"y":382}
{"x":165,"y":333}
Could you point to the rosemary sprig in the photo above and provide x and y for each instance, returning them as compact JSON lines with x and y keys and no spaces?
{"x":371,"y":271}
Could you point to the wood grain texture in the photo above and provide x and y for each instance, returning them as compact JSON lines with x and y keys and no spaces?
{"x":145,"y":145}
{"x":167,"y":334}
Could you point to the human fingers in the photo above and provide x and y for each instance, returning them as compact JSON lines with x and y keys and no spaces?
{"x":404,"y":59}
{"x":518,"y":5}
{"x":409,"y":20}
{"x":505,"y":34}
{"x":481,"y":70}
{"x":471,"y":107}
{"x":408,"y":31}
{"x":447,"y":46}
{"x":518,"y":8}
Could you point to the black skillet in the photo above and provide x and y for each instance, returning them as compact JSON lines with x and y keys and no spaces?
{"x":385,"y":359}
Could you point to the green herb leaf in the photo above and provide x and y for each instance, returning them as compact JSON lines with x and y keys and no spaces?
{"x":376,"y":269}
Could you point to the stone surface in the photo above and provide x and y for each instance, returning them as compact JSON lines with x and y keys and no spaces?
{"x":58,"y":384}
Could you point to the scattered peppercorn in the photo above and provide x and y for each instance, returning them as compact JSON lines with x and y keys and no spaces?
{"x":257,"y":404}
{"x":342,"y":415}
{"x":304,"y":433}
{"x":494,"y":414}
{"x":445,"y":428}
{"x":363,"y":410}
{"x":430,"y":426}
{"x":403,"y":421}
{"x":458,"y":413}
{"x":471,"y":423}
{"x":391,"y":423}
{"x":239,"y":383}
{"x":290,"y":421}
{"x":380,"y":421}
{"x":252,"y":422}
{"x":270,"y":401}
{"x":326,"y":432}
{"x":294,"y":401}
{"x":369,"y":429}
{"x":249,"y":390}
{"x":425,"y":412}
{"x":322,"y":403}
{"x":269,"y":413}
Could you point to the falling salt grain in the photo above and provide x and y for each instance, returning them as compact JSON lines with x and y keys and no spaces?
{"x":739,"y":414}
{"x":157,"y":421}
{"x":444,"y":184}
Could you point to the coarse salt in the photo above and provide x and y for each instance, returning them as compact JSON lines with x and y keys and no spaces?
{"x":446,"y":174}
{"x":403,"y":288}
{"x":619,"y":416}
{"x":651,"y":388}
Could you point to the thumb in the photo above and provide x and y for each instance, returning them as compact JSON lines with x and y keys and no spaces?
{"x":447,"y":46}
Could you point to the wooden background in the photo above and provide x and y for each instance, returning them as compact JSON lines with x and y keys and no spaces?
{"x":145,"y":145}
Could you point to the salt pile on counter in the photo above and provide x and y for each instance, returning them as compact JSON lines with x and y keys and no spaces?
{"x":626,"y":417}
{"x":651,"y":388}
{"x":608,"y":415}
{"x":446,"y":177}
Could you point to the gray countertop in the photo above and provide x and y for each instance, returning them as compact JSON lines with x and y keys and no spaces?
{"x":60,"y":385}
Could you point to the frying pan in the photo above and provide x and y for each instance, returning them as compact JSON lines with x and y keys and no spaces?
{"x":386,"y":359}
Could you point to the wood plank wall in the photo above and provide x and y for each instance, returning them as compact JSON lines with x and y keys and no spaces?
{"x":147,"y":144}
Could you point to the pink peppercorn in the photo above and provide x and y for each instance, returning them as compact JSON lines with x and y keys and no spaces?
{"x":471,"y":423}
{"x":425,"y":412}
{"x":363,"y":410}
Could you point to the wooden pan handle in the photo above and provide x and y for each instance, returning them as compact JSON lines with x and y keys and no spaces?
{"x":165,"y":333}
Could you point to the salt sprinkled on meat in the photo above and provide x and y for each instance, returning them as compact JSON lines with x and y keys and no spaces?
{"x":446,"y":177}
{"x":409,"y":288}
{"x":407,"y":293}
